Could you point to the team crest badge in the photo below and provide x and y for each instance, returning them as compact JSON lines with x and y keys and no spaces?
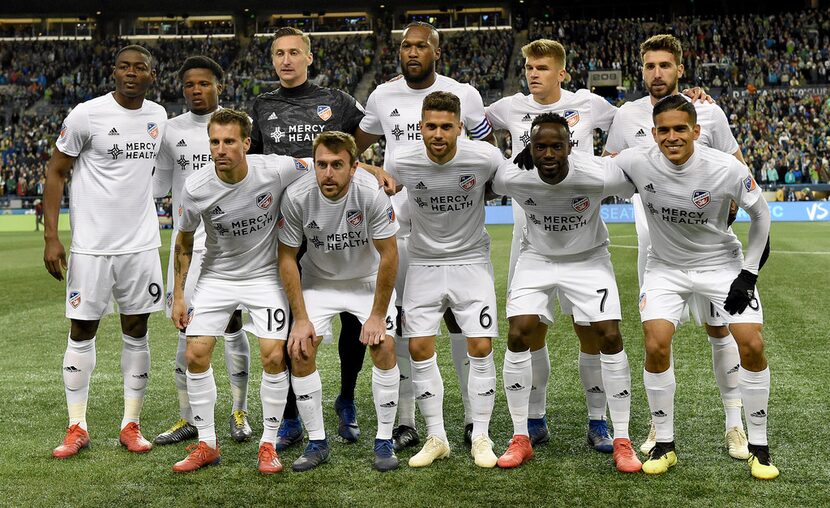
{"x":324,"y":112}
{"x":301,"y":165}
{"x":467,"y":182}
{"x":169,"y":299}
{"x":390,"y":213}
{"x":153,"y":129}
{"x":580,"y":203}
{"x":264,"y":200}
{"x":642,"y":301}
{"x":181,"y":210}
{"x":354,"y":217}
{"x":701,"y":198}
{"x":74,"y":299}
{"x":63,"y":131}
{"x":749,"y":183}
{"x":571,"y":116}
{"x":281,"y":221}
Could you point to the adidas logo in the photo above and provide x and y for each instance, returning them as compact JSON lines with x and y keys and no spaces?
{"x":532,"y":388}
{"x":733,"y":369}
{"x":759,"y":414}
{"x":303,"y":397}
{"x":623,"y":394}
{"x":216,"y":211}
{"x":530,"y":202}
{"x":113,"y":132}
{"x":595,"y":389}
{"x":403,"y":378}
{"x":527,"y":118}
{"x":515,"y":387}
{"x":72,"y":368}
{"x":241,"y":373}
{"x":421,"y":186}
{"x":179,"y":370}
{"x":389,"y":404}
{"x":650,"y":187}
{"x":394,"y":112}
{"x":423,"y":396}
{"x":181,"y":143}
{"x":640,"y":134}
{"x":197,"y":418}
{"x":273,"y":419}
{"x":272,"y":116}
{"x":659,"y":413}
{"x":144,"y":375}
{"x":312,"y":225}
{"x":488,"y":393}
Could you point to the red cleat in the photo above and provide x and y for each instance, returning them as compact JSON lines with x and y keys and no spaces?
{"x":132,"y":439}
{"x":625,"y":458}
{"x":268,"y":462}
{"x":76,"y":439}
{"x":201,"y":455}
{"x":518,"y":452}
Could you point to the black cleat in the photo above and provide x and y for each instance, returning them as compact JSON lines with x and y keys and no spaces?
{"x":468,"y":434}
{"x":180,"y":431}
{"x":290,"y":433}
{"x":316,"y":453}
{"x":404,"y":436}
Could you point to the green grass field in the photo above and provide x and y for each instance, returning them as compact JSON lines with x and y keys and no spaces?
{"x":794,"y":288}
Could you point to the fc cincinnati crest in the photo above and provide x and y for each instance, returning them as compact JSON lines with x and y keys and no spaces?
{"x":642,"y":301}
{"x":169,"y":299}
{"x":281,"y":221}
{"x":74,"y":299}
{"x":580,"y":203}
{"x":264,"y":200}
{"x":701,"y":198}
{"x":152,"y":129}
{"x":467,"y":182}
{"x":749,"y":183}
{"x":571,"y":116}
{"x":390,"y":213}
{"x":300,"y":165}
{"x":355,"y":217}
{"x":324,"y":112}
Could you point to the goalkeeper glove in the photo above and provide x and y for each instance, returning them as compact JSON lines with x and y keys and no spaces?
{"x":741,"y":292}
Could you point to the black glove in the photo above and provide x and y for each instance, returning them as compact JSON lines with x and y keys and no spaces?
{"x":741,"y":292}
{"x":764,"y":256}
{"x":523,"y":159}
{"x":733,"y":213}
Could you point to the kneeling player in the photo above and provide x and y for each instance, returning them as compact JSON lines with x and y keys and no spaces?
{"x":693,"y":255}
{"x":565,"y":255}
{"x":236,"y":199}
{"x":343,"y":214}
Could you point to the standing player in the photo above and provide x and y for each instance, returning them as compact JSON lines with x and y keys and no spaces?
{"x":393,"y":110}
{"x":185,"y":149}
{"x":349,"y":267}
{"x":693,"y":252}
{"x":449,"y":268}
{"x":661,"y":72}
{"x":285,"y":122}
{"x":112,"y":143}
{"x":565,"y":256}
{"x":236,"y":199}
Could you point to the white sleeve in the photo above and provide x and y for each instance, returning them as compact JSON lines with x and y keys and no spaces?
{"x":75,"y":132}
{"x":163,"y":172}
{"x":291,"y":169}
{"x":603,"y":112}
{"x":189,"y":216}
{"x":616,"y":181}
{"x":370,"y":124}
{"x":496,"y":113}
{"x":383,"y":222}
{"x":722,"y":137}
{"x":474,"y":120}
{"x":758,"y":233}
{"x":496,"y":160}
{"x":500,"y":178}
{"x":290,"y":223}
{"x":615,"y":142}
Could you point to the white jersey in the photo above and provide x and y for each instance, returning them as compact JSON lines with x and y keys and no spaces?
{"x":185,"y":149}
{"x":447,"y":202}
{"x":633,"y":123}
{"x":339,"y":233}
{"x":687,"y":206}
{"x":111,"y":205}
{"x":564,"y":219}
{"x":584,"y":111}
{"x":240,"y":219}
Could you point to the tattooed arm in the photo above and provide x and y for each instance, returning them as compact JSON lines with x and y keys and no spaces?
{"x":183,"y":254}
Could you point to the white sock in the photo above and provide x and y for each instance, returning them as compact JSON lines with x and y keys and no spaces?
{"x":725,"y":363}
{"x":590,"y":372}
{"x":755,"y":394}
{"x":458,"y":344}
{"x":406,"y":398}
{"x":518,"y":376}
{"x":273,"y":392}
{"x":660,"y":389}
{"x":309,"y":392}
{"x":616,"y":378}
{"x":429,"y":392}
{"x":385,"y":385}
{"x":78,"y":364}
{"x":482,"y":390}
{"x":238,"y":363}
{"x":135,"y":367}
{"x":540,"y":365}
{"x":201,"y":390}
{"x":181,"y":378}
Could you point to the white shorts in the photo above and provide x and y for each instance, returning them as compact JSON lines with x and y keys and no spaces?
{"x":667,"y":290}
{"x":403,"y":265}
{"x":468,"y":290}
{"x":586,"y":289}
{"x":189,"y":285}
{"x":133,"y":280}
{"x":326,"y":299}
{"x":703,"y":311}
{"x":215,"y":300}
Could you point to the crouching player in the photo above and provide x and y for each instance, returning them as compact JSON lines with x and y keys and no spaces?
{"x":565,"y":255}
{"x":236,"y":198}
{"x":350,"y":266}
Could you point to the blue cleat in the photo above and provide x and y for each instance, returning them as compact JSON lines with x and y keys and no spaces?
{"x":598,"y":437}
{"x":537,"y":428}
{"x":347,"y":413}
{"x":316,"y":453}
{"x":385,"y":459}
{"x":290,"y":433}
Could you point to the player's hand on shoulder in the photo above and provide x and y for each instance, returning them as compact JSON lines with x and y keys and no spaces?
{"x":698,"y":94}
{"x":54,"y":257}
{"x":373,"y":331}
{"x":387,"y":181}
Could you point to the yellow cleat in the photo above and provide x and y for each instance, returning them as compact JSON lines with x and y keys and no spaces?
{"x":435,"y":448}
{"x":482,"y":452}
{"x":736,"y":443}
{"x":760,"y":464}
{"x":661,"y":458}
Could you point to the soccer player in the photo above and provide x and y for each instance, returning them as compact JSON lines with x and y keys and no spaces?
{"x":565,"y":256}
{"x":185,"y":149}
{"x":350,"y":267}
{"x":449,"y":267}
{"x":393,"y":110}
{"x":662,"y":69}
{"x":236,"y":199}
{"x":285,"y":122}
{"x":111,"y":142}
{"x":687,"y":191}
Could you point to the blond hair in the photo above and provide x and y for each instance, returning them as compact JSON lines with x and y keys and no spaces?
{"x":543,"y":48}
{"x":290,"y":31}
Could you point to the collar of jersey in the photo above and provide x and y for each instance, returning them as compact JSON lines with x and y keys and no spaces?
{"x":295,"y":91}
{"x":682,"y":167}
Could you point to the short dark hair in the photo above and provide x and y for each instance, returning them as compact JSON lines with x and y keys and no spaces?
{"x":201,"y":62}
{"x":289,"y":31}
{"x":423,"y":24}
{"x":675,"y":103}
{"x":140,"y":49}
{"x":228,"y":116}
{"x":550,"y":118}
{"x":336,"y":141}
{"x":442,"y":101}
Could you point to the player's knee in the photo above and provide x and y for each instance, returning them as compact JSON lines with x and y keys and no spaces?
{"x":134,"y":326}
{"x":479,"y":348}
{"x":83,"y":330}
{"x":235,"y":324}
{"x":657,"y":350}
{"x":197,"y":360}
{"x":717,"y":332}
{"x":421,"y":350}
{"x":273,"y":361}
{"x":383,"y":354}
{"x":751,"y":348}
{"x":518,"y":339}
{"x":608,"y":337}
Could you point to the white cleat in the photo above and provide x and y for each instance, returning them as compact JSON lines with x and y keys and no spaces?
{"x":435,"y":448}
{"x":482,"y":451}
{"x":651,"y":440}
{"x":737,"y":443}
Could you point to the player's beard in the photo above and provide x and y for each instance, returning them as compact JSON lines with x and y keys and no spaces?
{"x":670,"y":89}
{"x":420,"y":77}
